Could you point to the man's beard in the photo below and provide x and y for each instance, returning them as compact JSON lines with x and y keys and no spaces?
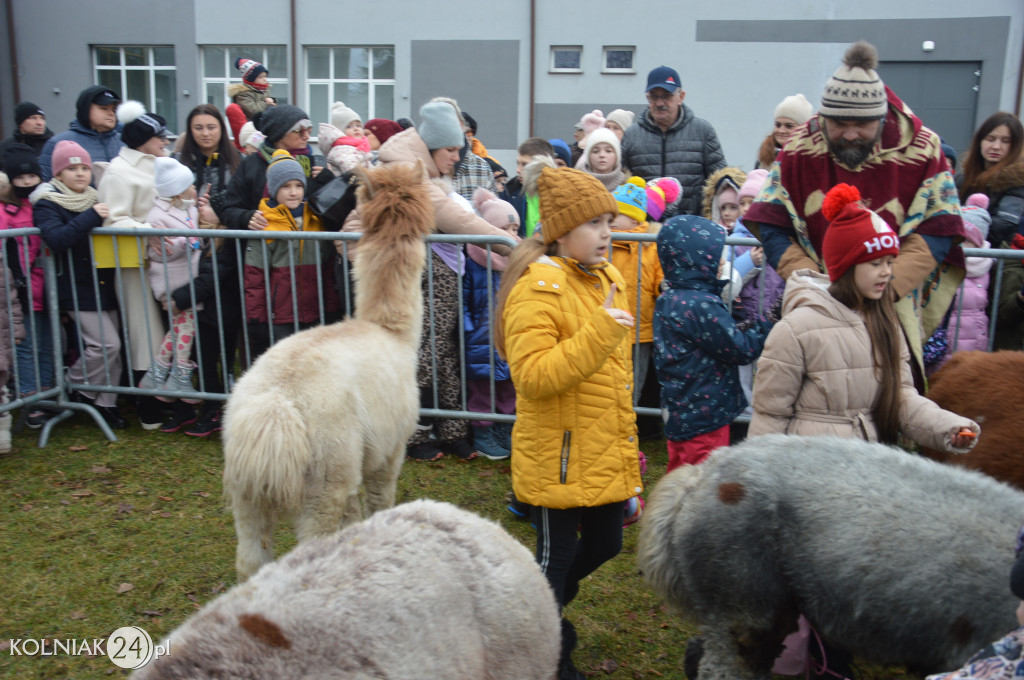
{"x":853,"y":153}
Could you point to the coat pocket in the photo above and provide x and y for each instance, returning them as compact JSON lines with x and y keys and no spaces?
{"x":566,"y":445}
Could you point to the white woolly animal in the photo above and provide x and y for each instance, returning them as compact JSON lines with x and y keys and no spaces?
{"x":889,"y":556}
{"x":329,"y":409}
{"x":423,"y":590}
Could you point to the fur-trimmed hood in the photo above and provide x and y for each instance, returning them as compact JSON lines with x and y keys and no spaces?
{"x":1011,"y":176}
{"x":708,"y":206}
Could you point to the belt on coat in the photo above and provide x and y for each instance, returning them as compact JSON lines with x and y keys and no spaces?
{"x":861,"y":420}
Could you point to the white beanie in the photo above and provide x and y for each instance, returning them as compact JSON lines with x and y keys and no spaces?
{"x":245,"y":134}
{"x":596,"y":137}
{"x":171,"y":177}
{"x":796,"y":108}
{"x":621,"y":117}
{"x":342,"y":116}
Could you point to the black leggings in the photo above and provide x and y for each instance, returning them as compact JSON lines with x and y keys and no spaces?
{"x":573,"y":543}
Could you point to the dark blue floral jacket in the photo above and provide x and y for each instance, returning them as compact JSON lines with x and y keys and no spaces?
{"x":697,"y":344}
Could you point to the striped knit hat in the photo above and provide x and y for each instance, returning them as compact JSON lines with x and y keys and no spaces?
{"x":855,"y":92}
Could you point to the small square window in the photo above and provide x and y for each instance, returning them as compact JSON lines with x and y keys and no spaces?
{"x":566,"y":59}
{"x":618,"y":60}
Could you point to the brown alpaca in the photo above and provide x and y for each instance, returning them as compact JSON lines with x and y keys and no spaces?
{"x":987,"y":387}
{"x":329,"y":409}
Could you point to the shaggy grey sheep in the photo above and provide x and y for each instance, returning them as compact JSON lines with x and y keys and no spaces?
{"x":423,"y":590}
{"x":892,"y":557}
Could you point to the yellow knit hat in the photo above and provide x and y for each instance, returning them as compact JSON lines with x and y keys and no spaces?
{"x":567,"y":198}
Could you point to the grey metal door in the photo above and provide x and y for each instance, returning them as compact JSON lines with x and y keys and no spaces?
{"x":943,"y":94}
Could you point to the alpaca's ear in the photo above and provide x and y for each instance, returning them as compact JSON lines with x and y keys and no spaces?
{"x":421,"y":169}
{"x":365,"y":182}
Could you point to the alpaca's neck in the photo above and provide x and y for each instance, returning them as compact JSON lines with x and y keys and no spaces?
{"x":389,"y":291}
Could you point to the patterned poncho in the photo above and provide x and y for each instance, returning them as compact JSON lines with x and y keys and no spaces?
{"x":907,"y":182}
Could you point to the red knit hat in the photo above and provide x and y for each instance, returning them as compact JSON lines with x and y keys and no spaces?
{"x":855,"y":234}
{"x":382,"y":128}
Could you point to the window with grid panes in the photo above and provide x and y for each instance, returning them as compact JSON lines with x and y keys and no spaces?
{"x":362,"y":77}
{"x":144,"y":73}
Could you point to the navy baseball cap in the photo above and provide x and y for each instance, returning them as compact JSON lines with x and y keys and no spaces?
{"x":104,"y":97}
{"x":664,"y":77}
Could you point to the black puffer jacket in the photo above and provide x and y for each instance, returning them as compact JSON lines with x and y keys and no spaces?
{"x":689,"y":151}
{"x":249,"y":182}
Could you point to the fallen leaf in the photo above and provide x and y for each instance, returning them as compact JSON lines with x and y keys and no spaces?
{"x":219,"y":588}
{"x":124,"y":509}
{"x":166,"y":515}
{"x":78,"y":448}
{"x":99,"y":469}
{"x":608,"y":666}
{"x":152,"y":612}
{"x":26,"y":507}
{"x":631,"y":616}
{"x":485,"y":473}
{"x":77,"y":614}
{"x":125,"y":587}
{"x":5,"y":645}
{"x":202,"y":494}
{"x":192,"y":597}
{"x":165,"y":498}
{"x":81,"y":494}
{"x":65,"y":501}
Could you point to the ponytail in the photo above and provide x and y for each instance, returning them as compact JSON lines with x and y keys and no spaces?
{"x":886,"y":337}
{"x":524,"y":254}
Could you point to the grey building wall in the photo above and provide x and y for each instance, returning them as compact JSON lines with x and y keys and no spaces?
{"x":55,"y":39}
{"x":734,"y":70}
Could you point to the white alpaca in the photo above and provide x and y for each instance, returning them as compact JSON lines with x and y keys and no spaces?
{"x":424,"y":590}
{"x":329,"y":409}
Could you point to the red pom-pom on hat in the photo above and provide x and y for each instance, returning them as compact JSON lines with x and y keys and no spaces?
{"x":838,"y":198}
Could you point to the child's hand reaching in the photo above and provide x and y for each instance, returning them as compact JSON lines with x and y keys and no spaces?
{"x":620,"y":315}
{"x":963,"y":439}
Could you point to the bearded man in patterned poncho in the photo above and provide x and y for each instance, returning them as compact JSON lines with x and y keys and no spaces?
{"x":866,"y":136}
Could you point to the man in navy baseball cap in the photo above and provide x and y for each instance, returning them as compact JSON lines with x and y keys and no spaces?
{"x":668,"y":139}
{"x":664,"y":77}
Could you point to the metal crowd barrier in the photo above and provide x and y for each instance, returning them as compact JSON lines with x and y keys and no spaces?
{"x":58,"y":397}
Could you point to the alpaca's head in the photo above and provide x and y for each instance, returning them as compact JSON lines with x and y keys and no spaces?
{"x":394,"y":201}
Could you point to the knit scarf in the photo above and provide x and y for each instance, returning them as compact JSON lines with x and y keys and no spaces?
{"x":67,"y":198}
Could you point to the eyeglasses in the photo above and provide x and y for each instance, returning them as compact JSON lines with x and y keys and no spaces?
{"x":302,"y":126}
{"x":660,"y":97}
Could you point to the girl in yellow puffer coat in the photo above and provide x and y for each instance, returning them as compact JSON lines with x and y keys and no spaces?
{"x":564,"y":330}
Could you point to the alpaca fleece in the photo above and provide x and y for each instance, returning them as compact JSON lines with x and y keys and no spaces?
{"x":988,"y":388}
{"x":423,"y":590}
{"x":893,"y":557}
{"x":329,"y":409}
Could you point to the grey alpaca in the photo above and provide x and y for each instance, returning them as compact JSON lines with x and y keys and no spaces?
{"x":895,"y":558}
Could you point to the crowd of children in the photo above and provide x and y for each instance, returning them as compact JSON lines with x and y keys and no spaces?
{"x":558,"y":334}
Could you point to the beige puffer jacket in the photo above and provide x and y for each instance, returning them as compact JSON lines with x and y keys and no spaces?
{"x":816,"y":375}
{"x":450,"y":217}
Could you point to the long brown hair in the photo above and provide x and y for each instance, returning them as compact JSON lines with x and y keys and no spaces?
{"x":192,"y":156}
{"x":524,"y":254}
{"x":976,"y":177}
{"x":886,"y":337}
{"x":767,"y":153}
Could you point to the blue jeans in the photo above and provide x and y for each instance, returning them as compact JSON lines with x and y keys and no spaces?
{"x":38,"y":342}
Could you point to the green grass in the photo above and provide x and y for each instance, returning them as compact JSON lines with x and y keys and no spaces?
{"x":97,"y":535}
{"x":84,"y":516}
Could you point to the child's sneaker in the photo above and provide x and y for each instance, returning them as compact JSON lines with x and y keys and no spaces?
{"x":518,"y":508}
{"x":503,"y":434}
{"x":206,"y":426}
{"x":460,"y":448}
{"x":426,"y":451}
{"x":486,"y":442}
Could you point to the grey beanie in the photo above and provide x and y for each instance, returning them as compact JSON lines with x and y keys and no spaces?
{"x":439,"y":126}
{"x":282,"y":168}
{"x":276,"y":121}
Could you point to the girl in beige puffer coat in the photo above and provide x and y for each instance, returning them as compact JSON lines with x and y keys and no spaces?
{"x":836,"y":363}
